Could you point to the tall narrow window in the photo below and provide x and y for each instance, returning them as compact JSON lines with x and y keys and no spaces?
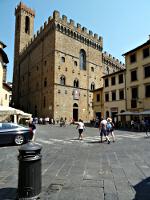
{"x":98,"y":97}
{"x":62,"y":80}
{"x":106,"y":82}
{"x":113,"y":80}
{"x":134,"y":92}
{"x":27,"y":25}
{"x":133,"y":58}
{"x":92,"y":86}
{"x":76,"y":83}
{"x":45,"y":82}
{"x":120,"y":78}
{"x":147,"y":89}
{"x":44,"y":102}
{"x":146,"y":52}
{"x":134,"y":75}
{"x":147,"y":72}
{"x":82,"y":60}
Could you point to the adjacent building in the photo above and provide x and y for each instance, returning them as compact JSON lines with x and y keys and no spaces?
{"x":138,"y":78}
{"x":5,"y":89}
{"x":114,"y":94}
{"x":127,"y":89}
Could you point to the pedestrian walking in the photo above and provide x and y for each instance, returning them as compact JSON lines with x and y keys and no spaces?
{"x":103,"y":131}
{"x":81,"y":128}
{"x":110,"y":128}
{"x":33,"y":127}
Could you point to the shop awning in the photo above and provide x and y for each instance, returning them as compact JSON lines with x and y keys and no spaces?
{"x":128,"y":113}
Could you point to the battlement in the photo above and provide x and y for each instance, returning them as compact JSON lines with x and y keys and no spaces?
{"x":64,"y":23}
{"x":108,"y":58}
{"x":69,"y":28}
{"x":22,"y":6}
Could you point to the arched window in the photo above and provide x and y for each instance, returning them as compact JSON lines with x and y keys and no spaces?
{"x":82,"y":59}
{"x":62,"y":80}
{"x":75,"y":105}
{"x":93,"y":86}
{"x":76,"y":83}
{"x":27,"y":25}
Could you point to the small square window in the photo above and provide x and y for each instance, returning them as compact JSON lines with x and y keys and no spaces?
{"x":145,"y":52}
{"x":75,"y":63}
{"x":133,"y":58}
{"x":92,"y":69}
{"x":147,"y":71}
{"x":134,"y":75}
{"x":45,"y":62}
{"x":113,"y":80}
{"x":63,"y":59}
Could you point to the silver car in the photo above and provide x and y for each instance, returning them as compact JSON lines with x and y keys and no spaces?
{"x":11,"y":133}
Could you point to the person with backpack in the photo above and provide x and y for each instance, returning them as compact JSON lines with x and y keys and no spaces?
{"x":103,"y":130}
{"x":110,"y":128}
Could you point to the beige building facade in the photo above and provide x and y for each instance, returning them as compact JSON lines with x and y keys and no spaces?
{"x":138,"y":78}
{"x":5,"y":89}
{"x":114,"y":94}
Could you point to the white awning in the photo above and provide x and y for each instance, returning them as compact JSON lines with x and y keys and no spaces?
{"x":146,"y":112}
{"x":6,"y":110}
{"x":128,"y":113}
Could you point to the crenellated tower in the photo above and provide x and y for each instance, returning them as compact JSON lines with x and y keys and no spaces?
{"x":24,"y":28}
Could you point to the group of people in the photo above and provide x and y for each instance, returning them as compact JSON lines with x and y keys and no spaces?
{"x":106,"y":128}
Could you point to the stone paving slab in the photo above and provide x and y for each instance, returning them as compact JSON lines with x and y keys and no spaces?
{"x":79,"y":170}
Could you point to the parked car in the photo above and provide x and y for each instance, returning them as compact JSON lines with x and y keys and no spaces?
{"x":11,"y":133}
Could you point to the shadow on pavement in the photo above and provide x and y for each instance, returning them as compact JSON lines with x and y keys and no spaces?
{"x":94,"y":142}
{"x":8,"y":193}
{"x":143,"y":190}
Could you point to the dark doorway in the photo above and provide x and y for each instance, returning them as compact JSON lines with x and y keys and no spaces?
{"x":114,"y":117}
{"x":75,"y":112}
{"x":98,"y":114}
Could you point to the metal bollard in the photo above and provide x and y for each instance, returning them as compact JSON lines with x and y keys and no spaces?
{"x":29,"y":175}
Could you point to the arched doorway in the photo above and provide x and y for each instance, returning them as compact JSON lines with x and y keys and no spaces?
{"x":75,"y":111}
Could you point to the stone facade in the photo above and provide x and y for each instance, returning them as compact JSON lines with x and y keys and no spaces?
{"x":57,"y":69}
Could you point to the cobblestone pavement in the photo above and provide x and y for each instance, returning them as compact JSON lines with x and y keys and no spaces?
{"x":81,"y":170}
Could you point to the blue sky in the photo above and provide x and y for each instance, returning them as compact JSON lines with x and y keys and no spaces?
{"x":123,"y":24}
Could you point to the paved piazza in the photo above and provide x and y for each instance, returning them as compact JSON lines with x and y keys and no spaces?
{"x":81,"y":170}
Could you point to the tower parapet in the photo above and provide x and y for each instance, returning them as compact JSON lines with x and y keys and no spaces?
{"x":68,"y":28}
{"x":23,"y":7}
{"x":112,"y":61}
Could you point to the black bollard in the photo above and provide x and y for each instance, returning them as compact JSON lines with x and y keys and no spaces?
{"x":29,"y":175}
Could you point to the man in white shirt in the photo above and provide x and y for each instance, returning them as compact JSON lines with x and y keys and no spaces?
{"x":103,"y":131}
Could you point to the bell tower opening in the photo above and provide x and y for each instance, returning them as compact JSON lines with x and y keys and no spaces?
{"x":24,"y":29}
